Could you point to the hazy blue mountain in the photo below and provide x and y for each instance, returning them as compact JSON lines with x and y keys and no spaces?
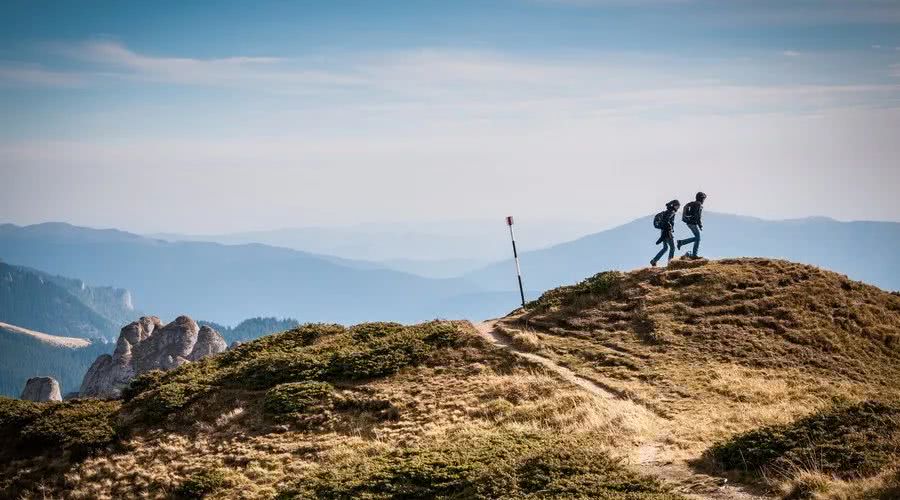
{"x":60,"y":306}
{"x":23,"y":357}
{"x":866,"y":251}
{"x":228,"y":283}
{"x":417,"y":247}
{"x":438,"y":268}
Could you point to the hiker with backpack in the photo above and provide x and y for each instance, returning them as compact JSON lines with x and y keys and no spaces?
{"x":692,"y":217}
{"x":665,"y":222}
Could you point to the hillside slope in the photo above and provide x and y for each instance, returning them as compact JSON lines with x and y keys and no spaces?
{"x":321,"y":411}
{"x":25,"y":354}
{"x":717,"y":348}
{"x":863,"y":250}
{"x":635,"y":386}
{"x":35,"y":300}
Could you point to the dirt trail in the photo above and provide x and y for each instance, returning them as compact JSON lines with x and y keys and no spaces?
{"x":648,"y":460}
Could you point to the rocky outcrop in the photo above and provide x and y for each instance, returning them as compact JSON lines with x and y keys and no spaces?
{"x":41,"y":389}
{"x":146,"y":345}
{"x":209,"y":342}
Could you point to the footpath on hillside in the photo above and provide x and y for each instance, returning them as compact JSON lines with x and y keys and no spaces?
{"x":647,"y":456}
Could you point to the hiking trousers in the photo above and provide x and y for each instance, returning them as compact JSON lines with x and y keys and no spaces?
{"x":668,"y":242}
{"x":695,"y":240}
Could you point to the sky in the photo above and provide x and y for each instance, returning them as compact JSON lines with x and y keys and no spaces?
{"x":202,"y":117}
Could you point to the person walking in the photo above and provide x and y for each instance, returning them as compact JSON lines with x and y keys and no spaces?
{"x":692,"y":216}
{"x":665,"y":222}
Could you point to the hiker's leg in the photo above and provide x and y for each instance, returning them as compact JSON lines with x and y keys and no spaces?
{"x":661,"y":252}
{"x":670,"y":242}
{"x":696,"y":230}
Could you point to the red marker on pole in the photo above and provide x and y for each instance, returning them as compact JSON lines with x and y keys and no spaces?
{"x":509,"y":222}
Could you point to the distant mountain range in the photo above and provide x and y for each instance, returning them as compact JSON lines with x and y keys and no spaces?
{"x":228,"y":283}
{"x":866,"y":251}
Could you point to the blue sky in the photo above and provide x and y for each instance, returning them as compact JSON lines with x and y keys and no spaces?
{"x":208,"y":117}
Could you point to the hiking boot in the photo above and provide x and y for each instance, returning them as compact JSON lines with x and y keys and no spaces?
{"x":652,"y":263}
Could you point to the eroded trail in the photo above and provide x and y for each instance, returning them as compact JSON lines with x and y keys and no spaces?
{"x":648,"y":457}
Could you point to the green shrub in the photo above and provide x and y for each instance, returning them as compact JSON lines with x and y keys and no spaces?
{"x":141,"y":384}
{"x":277,"y":368}
{"x":377,"y":358}
{"x":483,"y":465}
{"x":167,"y":398}
{"x":367,"y":331}
{"x":847,"y":441}
{"x":16,"y":413}
{"x":607,"y":284}
{"x":296,"y":397}
{"x":310,"y":353}
{"x":80,"y":424}
{"x":201,"y":484}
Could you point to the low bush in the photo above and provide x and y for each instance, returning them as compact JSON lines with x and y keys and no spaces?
{"x":296,"y":397}
{"x":846,"y":441}
{"x":201,"y":484}
{"x":607,"y":284}
{"x":483,"y":465}
{"x":80,"y":425}
{"x":142,"y":383}
{"x":16,"y":413}
{"x":307,"y":354}
{"x":166,"y":398}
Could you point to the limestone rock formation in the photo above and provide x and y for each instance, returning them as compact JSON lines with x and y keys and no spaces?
{"x":41,"y":389}
{"x":146,"y":345}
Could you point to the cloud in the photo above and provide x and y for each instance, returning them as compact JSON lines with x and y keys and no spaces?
{"x":113,"y":58}
{"x":18,"y":74}
{"x":440,"y":86}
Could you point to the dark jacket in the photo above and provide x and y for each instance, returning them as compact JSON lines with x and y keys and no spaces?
{"x":666,"y":231}
{"x":695,"y":209}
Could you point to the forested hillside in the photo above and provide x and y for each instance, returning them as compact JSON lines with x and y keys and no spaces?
{"x":23,"y":357}
{"x":35,"y":300}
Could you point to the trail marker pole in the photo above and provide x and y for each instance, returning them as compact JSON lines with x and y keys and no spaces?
{"x":512,"y":236}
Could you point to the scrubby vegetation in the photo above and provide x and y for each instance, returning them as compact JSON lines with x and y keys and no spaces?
{"x":310,"y":353}
{"x":844,"y":442}
{"x":81,"y":425}
{"x":484,"y":465}
{"x":720,"y":348}
{"x":201,"y":484}
{"x":750,"y":354}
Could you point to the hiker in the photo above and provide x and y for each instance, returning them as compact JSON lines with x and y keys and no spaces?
{"x":692,"y":217}
{"x":665,"y":222}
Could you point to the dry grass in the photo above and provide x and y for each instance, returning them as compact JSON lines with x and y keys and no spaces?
{"x":723,"y":347}
{"x":474,"y":392}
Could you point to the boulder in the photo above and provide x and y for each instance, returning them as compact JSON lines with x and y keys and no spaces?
{"x":42,"y":389}
{"x":146,"y":345}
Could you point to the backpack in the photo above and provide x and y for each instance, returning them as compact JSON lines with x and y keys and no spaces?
{"x":689,"y":214}
{"x":659,"y":221}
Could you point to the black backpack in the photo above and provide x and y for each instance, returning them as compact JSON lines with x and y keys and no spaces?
{"x":659,"y":221}
{"x":689,"y":214}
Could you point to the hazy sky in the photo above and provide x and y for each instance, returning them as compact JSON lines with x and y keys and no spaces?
{"x":221,"y":116}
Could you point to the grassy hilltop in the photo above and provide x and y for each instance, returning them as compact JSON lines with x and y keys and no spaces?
{"x":721,"y":348}
{"x":779,"y":376}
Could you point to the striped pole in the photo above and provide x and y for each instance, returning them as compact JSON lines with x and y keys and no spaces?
{"x":512,"y":236}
